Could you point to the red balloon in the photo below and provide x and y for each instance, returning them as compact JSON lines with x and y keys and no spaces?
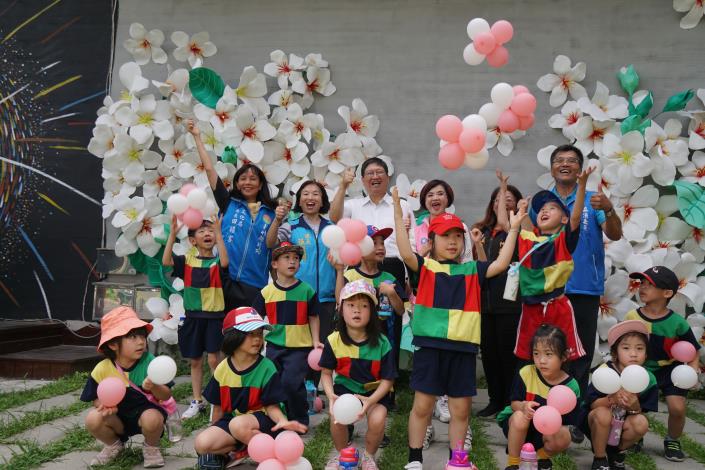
{"x":350,"y":253}
{"x":451,"y":156}
{"x":484,"y":43}
{"x":314,"y":357}
{"x":449,"y":127}
{"x":498,"y":57}
{"x":472,"y":140}
{"x":519,"y":89}
{"x":525,"y":122}
{"x":261,"y":447}
{"x":355,"y":230}
{"x":523,"y":104}
{"x":502,"y":31}
{"x":547,"y":420}
{"x":508,"y":121}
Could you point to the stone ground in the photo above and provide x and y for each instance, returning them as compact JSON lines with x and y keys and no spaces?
{"x":182,"y":456}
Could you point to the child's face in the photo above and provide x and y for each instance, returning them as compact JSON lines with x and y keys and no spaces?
{"x":311,"y":199}
{"x":357,"y":311}
{"x":448,"y":246}
{"x":130,"y":347}
{"x":287,"y":265}
{"x":631,"y":350}
{"x":650,"y":293}
{"x":253,"y":342}
{"x":550,"y":217}
{"x":204,"y":237}
{"x":546,"y":359}
{"x":379,"y":252}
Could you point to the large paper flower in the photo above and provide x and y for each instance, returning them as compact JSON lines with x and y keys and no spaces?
{"x":667,"y":150}
{"x":316,"y":80}
{"x":615,"y":301}
{"x":624,"y":163}
{"x":130,"y":75}
{"x":173,"y":150}
{"x":281,"y":67}
{"x":160,"y":183}
{"x":190,"y":166}
{"x":224,"y":113}
{"x":563,"y":81}
{"x":192,"y":49}
{"x":590,"y":134}
{"x":285,"y":160}
{"x":694,"y":9}
{"x":297,"y":125}
{"x":566,"y":119}
{"x":144,"y":45}
{"x":694,"y":170}
{"x":132,"y":158}
{"x":410,"y":191}
{"x":339,"y":155}
{"x":638,"y":214}
{"x":140,"y":229}
{"x":696,"y":131}
{"x":604,"y":107}
{"x":248,"y":134}
{"x":146,"y":117}
{"x":358,"y":121}
{"x":251,"y":88}
{"x":101,"y":144}
{"x":113,"y":201}
{"x":502,"y":140}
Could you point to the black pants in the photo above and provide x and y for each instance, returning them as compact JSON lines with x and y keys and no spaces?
{"x":396,"y":268}
{"x":498,"y":336}
{"x":585,"y":308}
{"x":238,"y":294}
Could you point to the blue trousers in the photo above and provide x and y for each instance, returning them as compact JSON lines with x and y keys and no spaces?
{"x":292,"y":364}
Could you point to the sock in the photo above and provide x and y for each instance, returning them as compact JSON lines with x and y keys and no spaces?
{"x":541,"y":454}
{"x":669,"y":438}
{"x":416,"y":454}
{"x":513,"y":461}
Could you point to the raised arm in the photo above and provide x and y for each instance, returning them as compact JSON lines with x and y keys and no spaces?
{"x":220,"y":243}
{"x":203,"y":154}
{"x":579,"y":199}
{"x":405,"y":251}
{"x":505,"y":254}
{"x":279,"y":214}
{"x":338,"y":202}
{"x":167,"y":257}
{"x":502,"y":216}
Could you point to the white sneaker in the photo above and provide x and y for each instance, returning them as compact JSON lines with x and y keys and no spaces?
{"x":196,"y":407}
{"x":108,"y":453}
{"x":441,"y":411}
{"x":467,"y":445}
{"x":429,"y":437}
{"x":415,"y":465}
{"x":333,"y":463}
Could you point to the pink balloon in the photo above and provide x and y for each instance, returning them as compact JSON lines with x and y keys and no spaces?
{"x":449,"y":127}
{"x":498,"y":57}
{"x":472,"y":140}
{"x":355,"y":230}
{"x":350,"y":253}
{"x":193,"y":218}
{"x":547,"y":420}
{"x":562,"y":398}
{"x":523,"y":104}
{"x":187,"y":188}
{"x":525,"y":122}
{"x":502,"y":31}
{"x":271,"y":464}
{"x":484,"y":43}
{"x":111,"y":391}
{"x":451,"y":156}
{"x":261,"y":447}
{"x":519,"y":89}
{"x":288,"y":447}
{"x":683,"y":351}
{"x":314,"y":357}
{"x":508,"y":121}
{"x":318,"y":404}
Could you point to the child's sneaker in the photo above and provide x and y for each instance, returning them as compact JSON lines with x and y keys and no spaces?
{"x":196,"y":406}
{"x":616,"y":458}
{"x":672,"y":450}
{"x":441,"y":411}
{"x":385,"y":441}
{"x":108,"y":453}
{"x":545,"y":464}
{"x":333,"y":463}
{"x":429,"y":437}
{"x":211,"y":462}
{"x":237,"y":457}
{"x":152,"y":456}
{"x":368,"y":462}
{"x":600,"y":463}
{"x":415,"y":465}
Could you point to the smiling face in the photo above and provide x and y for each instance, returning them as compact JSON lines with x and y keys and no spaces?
{"x":129,"y":348}
{"x":551,"y":217}
{"x":357,"y":311}
{"x":448,"y":246}
{"x":249,"y":185}
{"x":311,"y":199}
{"x":203,"y":238}
{"x":375,"y":180}
{"x":287,"y":265}
{"x":546,"y":359}
{"x":631,"y":349}
{"x":379,"y":252}
{"x":436,"y":200}
{"x":565,"y":168}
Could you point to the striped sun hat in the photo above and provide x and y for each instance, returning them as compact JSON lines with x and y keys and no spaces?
{"x":244,"y":319}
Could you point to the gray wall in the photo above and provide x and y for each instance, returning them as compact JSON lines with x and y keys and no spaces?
{"x":404,"y":59}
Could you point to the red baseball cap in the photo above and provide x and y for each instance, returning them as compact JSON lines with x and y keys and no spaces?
{"x":244,"y":319}
{"x":441,"y":223}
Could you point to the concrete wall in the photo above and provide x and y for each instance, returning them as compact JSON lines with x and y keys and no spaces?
{"x":404,"y":59}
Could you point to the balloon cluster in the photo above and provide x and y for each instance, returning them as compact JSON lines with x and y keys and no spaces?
{"x":348,"y":241}
{"x":488,"y":42}
{"x":462,"y":141}
{"x":683,"y":376}
{"x":191,"y":205}
{"x":634,"y":379}
{"x":283,"y":453}
{"x":511,"y":109}
{"x":561,"y":400}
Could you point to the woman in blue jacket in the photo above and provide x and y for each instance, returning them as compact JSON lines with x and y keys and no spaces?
{"x":248,"y":211}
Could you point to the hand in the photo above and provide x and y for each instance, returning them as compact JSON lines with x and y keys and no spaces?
{"x":336,"y":265}
{"x":515,"y":218}
{"x":366,"y":403}
{"x":106,"y":411}
{"x":193,"y":129}
{"x":395,"y":197}
{"x":147,"y":384}
{"x":527,"y":407}
{"x":476,"y":236}
{"x":290,"y":426}
{"x":348,"y":178}
{"x":174,"y":227}
{"x":600,"y":201}
{"x":523,"y":204}
{"x":317,"y":344}
{"x":425,"y":249}
{"x":502,"y":179}
{"x":583,"y":176}
{"x":627,"y":400}
{"x":387,"y":288}
{"x":331,"y":402}
{"x":281,"y":211}
{"x":217,"y":224}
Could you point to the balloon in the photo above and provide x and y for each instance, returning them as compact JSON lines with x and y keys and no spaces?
{"x":635,"y":379}
{"x":157,"y":306}
{"x":288,"y":447}
{"x":477,"y":26}
{"x":197,"y":198}
{"x":502,"y":95}
{"x":451,"y":156}
{"x":547,"y":420}
{"x":193,"y":218}
{"x":177,"y":204}
{"x":682,"y":376}
{"x":606,"y":380}
{"x":211,"y":208}
{"x":484,"y":43}
{"x":696,"y":320}
{"x":472,"y":140}
{"x":111,"y":391}
{"x":475,"y":121}
{"x":367,"y":246}
{"x":187,"y":188}
{"x":350,"y":253}
{"x":683,"y":351}
{"x":503,"y":31}
{"x":261,"y":447}
{"x":161,"y":370}
{"x":471,"y":56}
{"x":355,"y":230}
{"x":313,"y":357}
{"x":318,"y":404}
{"x":519,"y":89}
{"x":562,"y":398}
{"x":301,"y":464}
{"x":477,"y":161}
{"x":449,"y":127}
{"x":508,"y":121}
{"x":525,"y":122}
{"x":490,"y":113}
{"x":498,"y":57}
{"x":271,"y":464}
{"x":346,"y":408}
{"x":523,"y":104}
{"x":333,"y":236}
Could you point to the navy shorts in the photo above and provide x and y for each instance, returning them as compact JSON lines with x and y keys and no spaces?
{"x":197,"y":335}
{"x":131,"y":424}
{"x":532,"y":435}
{"x":442,"y":372}
{"x":265,"y":423}
{"x":664,"y":382}
{"x":385,"y":401}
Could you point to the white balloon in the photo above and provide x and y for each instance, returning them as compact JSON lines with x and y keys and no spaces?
{"x":490,"y":112}
{"x":197,"y":198}
{"x":157,"y":306}
{"x":635,"y":379}
{"x":346,"y":408}
{"x":471,"y":56}
{"x":502,"y":95}
{"x":211,"y":208}
{"x":478,"y":160}
{"x":477,"y":26}
{"x":696,"y":319}
{"x":169,"y":336}
{"x":333,"y":236}
{"x":301,"y":464}
{"x":367,"y":245}
{"x":604,"y":323}
{"x":606,"y":380}
{"x":684,"y":376}
{"x":161,"y":370}
{"x":475,"y":121}
{"x":177,"y":204}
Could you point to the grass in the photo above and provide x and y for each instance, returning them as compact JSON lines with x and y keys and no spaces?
{"x":61,"y":386}
{"x":33,"y":419}
{"x":395,"y":455}
{"x":33,"y":455}
{"x":481,"y":454}
{"x":563,"y":461}
{"x":695,"y":415}
{"x":640,"y":461}
{"x":319,"y":446}
{"x":691,"y":448}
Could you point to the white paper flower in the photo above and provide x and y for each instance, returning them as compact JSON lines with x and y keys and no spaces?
{"x":502,"y":140}
{"x":160,"y":183}
{"x":667,"y":150}
{"x":694,"y":9}
{"x":696,"y":132}
{"x":315,"y":60}
{"x":283,"y":99}
{"x":176,"y":83}
{"x":339,"y":155}
{"x":285,"y":160}
{"x":358,"y":121}
{"x":116,"y":200}
{"x":316,"y":80}
{"x":101,"y":144}
{"x":190,"y":166}
{"x":173,"y":150}
{"x":615,"y":301}
{"x":297,"y":125}
{"x":192,"y":49}
{"x":566,"y":119}
{"x":130,"y":75}
{"x":281,"y":68}
{"x":132,"y":158}
{"x":248,"y":134}
{"x":638,"y":214}
{"x":563,"y":81}
{"x":624,"y":163}
{"x":694,"y":170}
{"x":224,"y":113}
{"x":670,"y":229}
{"x":147,"y":117}
{"x":410,"y":191}
{"x":590,"y":134}
{"x":603,"y":106}
{"x":145,"y":45}
{"x":251,"y":88}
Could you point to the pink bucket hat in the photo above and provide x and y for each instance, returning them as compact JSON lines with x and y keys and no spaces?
{"x":622,"y":328}
{"x":118,"y":322}
{"x":358,"y":287}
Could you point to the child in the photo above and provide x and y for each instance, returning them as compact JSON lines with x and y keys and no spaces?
{"x":530,"y":391}
{"x":546,"y":265}
{"x":362,"y":358}
{"x":628,"y":341}
{"x":123,"y":340}
{"x":291,"y":306}
{"x":245,"y":392}
{"x":446,"y":322}
{"x":203,"y":301}
{"x":658,"y":285}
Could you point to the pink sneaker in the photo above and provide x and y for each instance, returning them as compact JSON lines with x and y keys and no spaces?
{"x":152,"y":456}
{"x":368,"y":462}
{"x":108,"y":453}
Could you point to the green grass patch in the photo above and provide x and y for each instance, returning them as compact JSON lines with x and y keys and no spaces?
{"x":481,"y":454}
{"x":33,"y":455}
{"x":692,"y":449}
{"x":61,"y":386}
{"x":319,"y":446}
{"x":563,"y":461}
{"x":640,"y":461}
{"x":32,"y":419}
{"x":395,"y":455}
{"x":695,"y":415}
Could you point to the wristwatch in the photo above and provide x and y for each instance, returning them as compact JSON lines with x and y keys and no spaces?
{"x":610,"y":212}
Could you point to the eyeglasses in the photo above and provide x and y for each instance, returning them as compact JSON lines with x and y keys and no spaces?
{"x":570,"y":161}
{"x":375,"y":173}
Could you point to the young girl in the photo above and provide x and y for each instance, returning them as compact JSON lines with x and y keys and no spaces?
{"x":363,"y":361}
{"x":628,"y":342}
{"x":531,"y":385}
{"x":245,"y":392}
{"x":446,"y":322}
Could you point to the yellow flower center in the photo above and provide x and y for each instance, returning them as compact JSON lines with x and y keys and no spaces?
{"x":125,"y":96}
{"x":626,"y":157}
{"x":145,"y":119}
{"x":131,"y":213}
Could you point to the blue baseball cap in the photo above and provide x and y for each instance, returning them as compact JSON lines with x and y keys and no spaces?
{"x":541,"y":198}
{"x":373,"y":231}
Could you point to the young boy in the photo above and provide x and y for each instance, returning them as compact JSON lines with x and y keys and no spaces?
{"x":546,"y":265}
{"x":291,"y":306}
{"x":203,"y":301}
{"x":658,"y":285}
{"x":123,"y":340}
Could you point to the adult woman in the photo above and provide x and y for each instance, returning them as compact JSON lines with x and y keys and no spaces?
{"x":248,"y":211}
{"x":500,"y":317}
{"x":304,"y":228}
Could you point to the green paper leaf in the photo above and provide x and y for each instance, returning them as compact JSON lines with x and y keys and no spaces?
{"x":678,"y":101}
{"x":206,"y":86}
{"x":691,"y":202}
{"x":229,"y":155}
{"x":628,"y":79}
{"x":643,"y":108}
{"x":635,"y":123}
